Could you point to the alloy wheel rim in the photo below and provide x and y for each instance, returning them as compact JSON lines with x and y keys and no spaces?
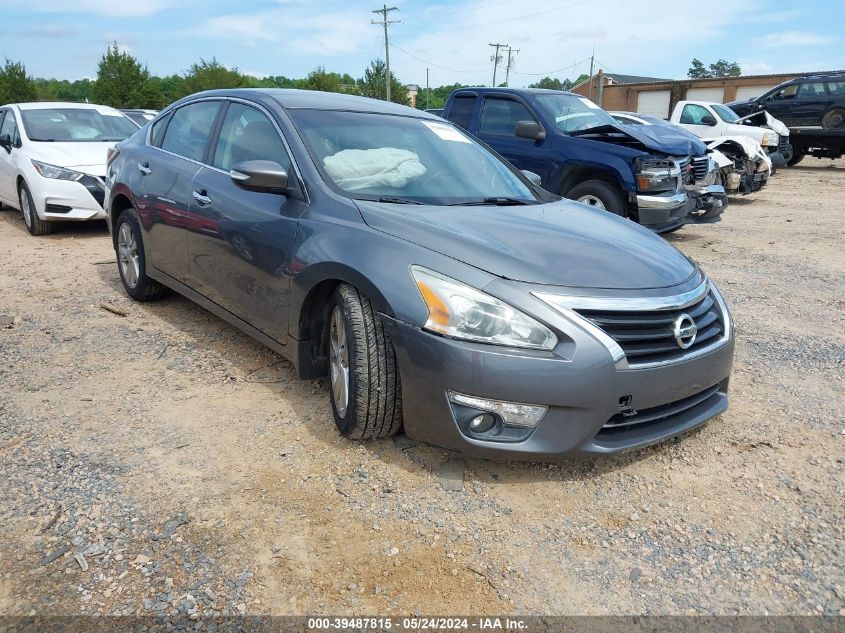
{"x":127,"y":252}
{"x":25,"y":209}
{"x":339,"y":362}
{"x":592,"y":201}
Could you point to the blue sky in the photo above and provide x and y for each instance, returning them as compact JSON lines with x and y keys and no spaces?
{"x":65,"y":38}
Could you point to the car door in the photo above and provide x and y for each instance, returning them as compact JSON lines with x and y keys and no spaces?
{"x":692,"y":117}
{"x":811,"y":102}
{"x":781,"y":104}
{"x":497,"y":127}
{"x":8,"y":190}
{"x":163,"y":183}
{"x":241,"y":247}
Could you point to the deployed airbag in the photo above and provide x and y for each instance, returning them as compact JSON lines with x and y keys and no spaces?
{"x":354,"y":169}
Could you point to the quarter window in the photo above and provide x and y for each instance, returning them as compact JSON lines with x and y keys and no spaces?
{"x":500,"y":116}
{"x":461,"y":112}
{"x":693,"y":114}
{"x":189,"y":129}
{"x":247,"y":134}
{"x":157,"y":131}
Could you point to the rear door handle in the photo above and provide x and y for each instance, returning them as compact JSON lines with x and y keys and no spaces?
{"x":144,"y":168}
{"x":201,"y":197}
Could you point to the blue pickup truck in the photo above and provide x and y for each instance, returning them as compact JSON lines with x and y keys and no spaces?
{"x":659,"y":179}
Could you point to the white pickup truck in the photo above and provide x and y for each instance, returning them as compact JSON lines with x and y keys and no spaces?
{"x":709,"y":120}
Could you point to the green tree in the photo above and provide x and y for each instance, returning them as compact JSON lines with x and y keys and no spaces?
{"x":15,"y":85}
{"x":319,"y":79}
{"x":209,"y":75}
{"x":373,"y":84}
{"x":122,"y":82}
{"x":549,"y":83}
{"x":697,"y":70}
{"x":721,"y":68}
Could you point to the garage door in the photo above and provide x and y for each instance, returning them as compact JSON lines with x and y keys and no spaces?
{"x":749,"y":92}
{"x":706,"y":94}
{"x":654,"y":102}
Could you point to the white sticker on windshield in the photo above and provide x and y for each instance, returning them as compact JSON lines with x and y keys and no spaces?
{"x":446,"y":132}
{"x":588,"y":103}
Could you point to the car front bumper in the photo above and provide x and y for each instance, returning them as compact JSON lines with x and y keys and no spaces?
{"x":583,"y":394}
{"x":663,"y":211}
{"x":67,"y":200}
{"x":708,"y":201}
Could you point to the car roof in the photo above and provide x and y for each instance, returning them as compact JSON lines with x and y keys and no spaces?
{"x":47,"y":105}
{"x":537,"y":91}
{"x":292,"y":99}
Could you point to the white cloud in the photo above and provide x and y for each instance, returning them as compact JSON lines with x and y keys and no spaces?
{"x":755,"y":68}
{"x":793,"y":38}
{"x":118,"y":8}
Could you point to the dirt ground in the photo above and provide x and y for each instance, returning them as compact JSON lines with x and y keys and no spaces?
{"x":163,"y":462}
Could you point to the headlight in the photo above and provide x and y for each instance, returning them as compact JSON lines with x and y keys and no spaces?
{"x":56,"y":173}
{"x":462,"y":312}
{"x":657,"y":175}
{"x":770,"y":139}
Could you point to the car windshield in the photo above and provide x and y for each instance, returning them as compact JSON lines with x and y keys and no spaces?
{"x":725,"y":113}
{"x":76,"y":125}
{"x":406,"y":159}
{"x":572,"y":113}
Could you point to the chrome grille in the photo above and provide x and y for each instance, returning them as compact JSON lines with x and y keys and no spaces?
{"x":648,"y":336}
{"x":700,"y":167}
{"x":686,"y":171}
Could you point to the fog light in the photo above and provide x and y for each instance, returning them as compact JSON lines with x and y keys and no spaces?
{"x":511,"y":413}
{"x":482,"y":423}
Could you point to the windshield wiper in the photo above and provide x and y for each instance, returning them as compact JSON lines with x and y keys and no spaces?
{"x":393,"y":200}
{"x":498,"y":201}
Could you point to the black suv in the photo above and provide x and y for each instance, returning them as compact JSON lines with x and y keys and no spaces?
{"x":807,"y":101}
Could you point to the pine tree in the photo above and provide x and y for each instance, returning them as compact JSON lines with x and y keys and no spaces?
{"x":15,"y":86}
{"x":122,"y":82}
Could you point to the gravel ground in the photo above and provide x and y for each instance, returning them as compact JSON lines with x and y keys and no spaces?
{"x":163,"y":463}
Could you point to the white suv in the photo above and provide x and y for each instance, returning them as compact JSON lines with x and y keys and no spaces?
{"x":53,"y":159}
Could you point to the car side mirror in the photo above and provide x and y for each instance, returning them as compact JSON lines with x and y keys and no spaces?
{"x":534,"y":178}
{"x":708,"y":119}
{"x":530,"y":130}
{"x":6,"y":142}
{"x":260,"y":175}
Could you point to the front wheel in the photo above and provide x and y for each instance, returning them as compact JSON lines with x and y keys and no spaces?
{"x":599,"y":195}
{"x":797,"y":156}
{"x":34,"y":224}
{"x":365,"y":390}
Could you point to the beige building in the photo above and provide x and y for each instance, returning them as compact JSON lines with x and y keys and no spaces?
{"x":658,"y":97}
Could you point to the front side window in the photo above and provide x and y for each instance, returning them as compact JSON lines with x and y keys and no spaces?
{"x":377,"y":156}
{"x":68,"y":125}
{"x":784,"y":93}
{"x":189,"y":129}
{"x":693,"y":114}
{"x":247,"y":134}
{"x":572,"y":113}
{"x":10,"y":127}
{"x":725,"y":113}
{"x":461,"y":111}
{"x":500,"y":116}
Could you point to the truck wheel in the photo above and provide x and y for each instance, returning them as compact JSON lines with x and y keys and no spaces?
{"x":834,"y":119}
{"x":34,"y":224}
{"x":797,"y":157}
{"x":599,"y":195}
{"x":365,"y":390}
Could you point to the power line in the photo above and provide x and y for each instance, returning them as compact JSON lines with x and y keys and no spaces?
{"x":516,"y":17}
{"x":385,"y":23}
{"x":430,"y":63}
{"x":552,"y":72}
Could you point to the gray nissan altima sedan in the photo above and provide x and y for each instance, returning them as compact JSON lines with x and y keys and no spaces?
{"x":435,"y":286}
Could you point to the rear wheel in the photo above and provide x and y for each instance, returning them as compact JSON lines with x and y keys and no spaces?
{"x":365,"y":390}
{"x":600,"y":195}
{"x":834,"y":119}
{"x":131,"y":261}
{"x":34,"y":224}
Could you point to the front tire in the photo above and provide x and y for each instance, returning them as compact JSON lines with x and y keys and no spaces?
{"x":599,"y":195}
{"x":131,"y":260}
{"x":34,"y":224}
{"x":365,"y":389}
{"x":797,"y":157}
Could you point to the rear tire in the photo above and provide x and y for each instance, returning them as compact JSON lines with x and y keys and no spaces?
{"x":834,"y":119}
{"x":131,"y":260}
{"x":34,"y":224}
{"x":599,"y":194}
{"x":365,"y":389}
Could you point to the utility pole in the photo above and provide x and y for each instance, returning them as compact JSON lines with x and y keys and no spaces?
{"x":496,"y":59}
{"x":510,"y":64}
{"x":427,"y":89}
{"x":592,"y":60}
{"x":385,"y":23}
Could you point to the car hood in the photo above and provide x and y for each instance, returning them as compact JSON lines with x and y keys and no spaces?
{"x":89,"y":158}
{"x":562,"y":243}
{"x":651,"y":137}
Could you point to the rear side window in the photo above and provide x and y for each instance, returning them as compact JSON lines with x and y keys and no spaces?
{"x":812,"y":89}
{"x":189,"y":129}
{"x":461,"y":112}
{"x":247,"y":134}
{"x":157,"y":131}
{"x":693,"y":114}
{"x":836,"y":88}
{"x":500,"y":116}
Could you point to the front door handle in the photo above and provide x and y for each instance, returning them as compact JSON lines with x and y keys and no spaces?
{"x":144,"y":168}
{"x":201,"y":197}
